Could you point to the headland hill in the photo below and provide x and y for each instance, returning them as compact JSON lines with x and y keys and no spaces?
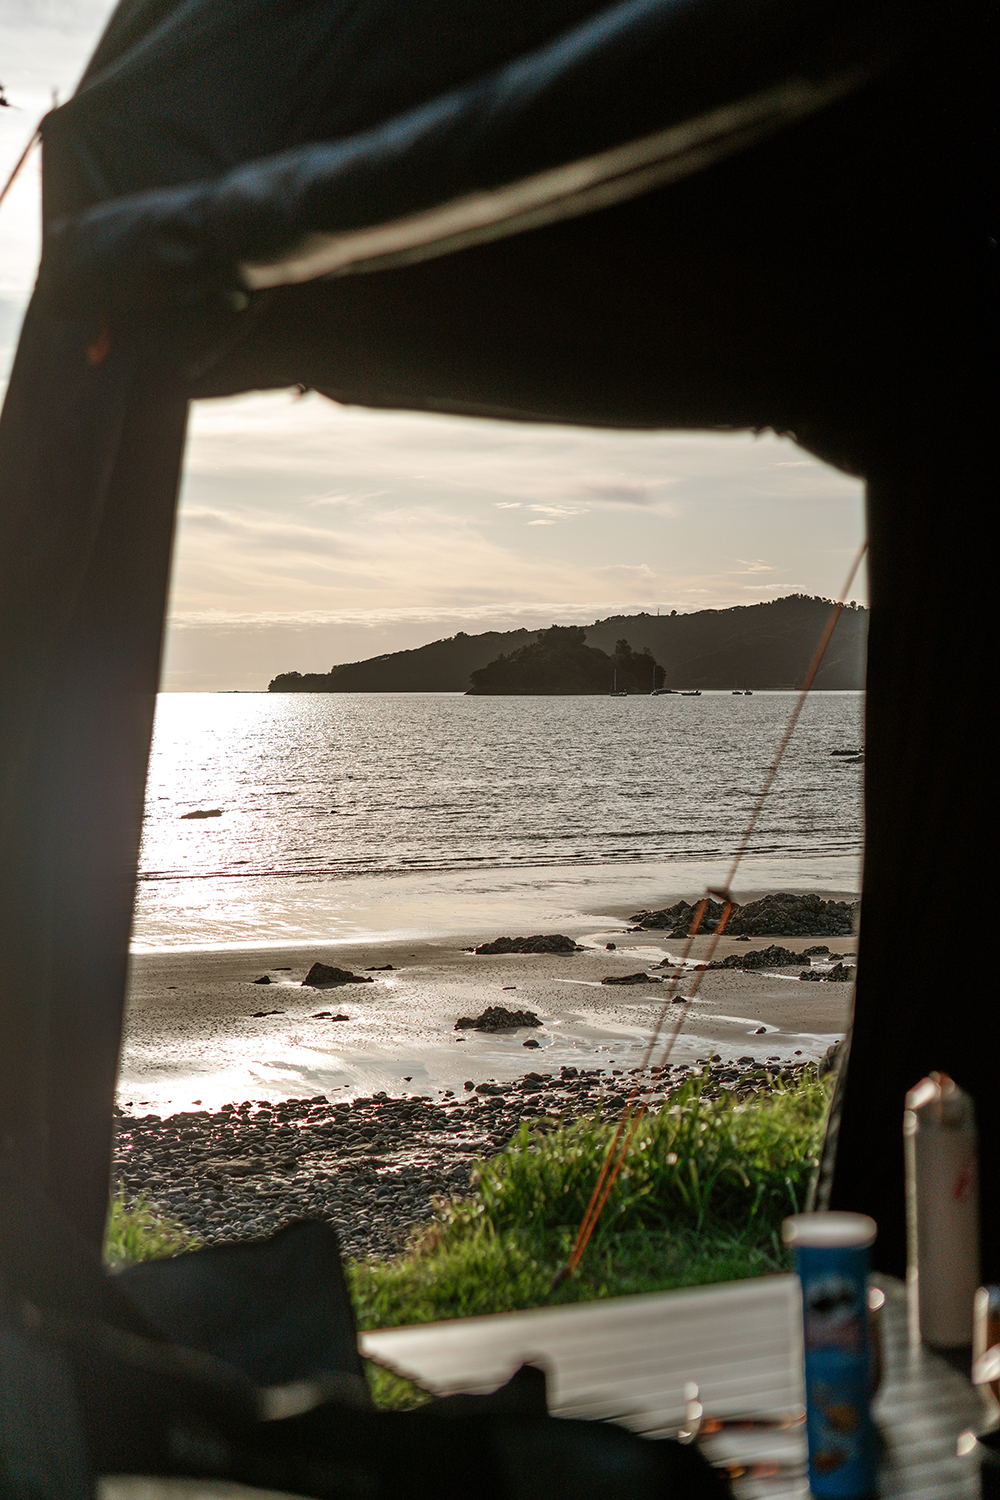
{"x":761,"y":647}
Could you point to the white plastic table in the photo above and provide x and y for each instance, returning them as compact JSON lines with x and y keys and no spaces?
{"x":629,"y":1358}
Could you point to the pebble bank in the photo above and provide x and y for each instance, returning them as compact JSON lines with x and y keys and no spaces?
{"x":375,"y":1167}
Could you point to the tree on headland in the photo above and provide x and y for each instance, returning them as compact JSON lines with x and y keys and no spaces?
{"x":636,"y":671}
{"x":299,"y":682}
{"x":560,"y":662}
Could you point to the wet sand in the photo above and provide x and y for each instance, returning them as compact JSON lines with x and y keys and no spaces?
{"x":192,"y":1036}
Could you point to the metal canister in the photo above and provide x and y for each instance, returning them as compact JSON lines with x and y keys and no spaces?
{"x":831,"y":1258}
{"x":942,"y":1193}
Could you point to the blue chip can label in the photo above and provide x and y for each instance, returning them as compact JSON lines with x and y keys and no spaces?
{"x":838,"y":1370}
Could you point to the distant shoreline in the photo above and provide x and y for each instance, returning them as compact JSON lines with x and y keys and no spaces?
{"x":764,"y":647}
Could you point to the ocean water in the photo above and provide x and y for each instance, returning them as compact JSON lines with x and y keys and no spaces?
{"x":344,"y":816}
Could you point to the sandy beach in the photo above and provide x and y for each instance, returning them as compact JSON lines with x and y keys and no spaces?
{"x":201,"y":1031}
{"x":245,"y":1104}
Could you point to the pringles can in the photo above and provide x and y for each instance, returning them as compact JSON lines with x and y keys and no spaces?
{"x":831,"y":1260}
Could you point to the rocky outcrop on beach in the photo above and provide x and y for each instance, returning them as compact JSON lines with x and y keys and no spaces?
{"x":641,"y":978}
{"x":553,"y":942}
{"x":773,"y":957}
{"x":324,"y":976}
{"x":498,"y":1018}
{"x":840,"y":973}
{"x":376,"y":1167}
{"x":780,"y":915}
{"x":785,"y":915}
{"x":676,"y":920}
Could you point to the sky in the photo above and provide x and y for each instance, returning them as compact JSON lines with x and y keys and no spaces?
{"x":311,"y":534}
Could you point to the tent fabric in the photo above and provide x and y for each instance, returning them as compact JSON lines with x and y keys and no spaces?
{"x":636,"y":94}
{"x":810,"y":253}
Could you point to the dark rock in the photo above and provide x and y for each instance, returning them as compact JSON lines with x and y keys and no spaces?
{"x":640,"y":978}
{"x":832,"y":1058}
{"x":498,"y":1018}
{"x":555,"y":942}
{"x":676,"y":920}
{"x":816,"y":951}
{"x":259,"y":1013}
{"x":322,"y":975}
{"x":264,"y":979}
{"x":379,"y":968}
{"x":839,"y":972}
{"x":845,"y":752}
{"x":611,"y":947}
{"x":328,"y":1015}
{"x":531,"y":1042}
{"x":782,"y":915}
{"x":209,"y":812}
{"x":760,"y":1031}
{"x":758,"y":958}
{"x":793,"y":916}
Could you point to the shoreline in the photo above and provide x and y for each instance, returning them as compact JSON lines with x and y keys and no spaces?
{"x":376,"y":1168}
{"x":221,"y":911}
{"x":200,"y":1028}
{"x":248,"y":1099}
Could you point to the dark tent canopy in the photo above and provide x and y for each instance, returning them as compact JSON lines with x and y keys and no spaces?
{"x":666,"y":213}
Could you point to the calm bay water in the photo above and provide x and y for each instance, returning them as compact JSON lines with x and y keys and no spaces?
{"x":397,"y":813}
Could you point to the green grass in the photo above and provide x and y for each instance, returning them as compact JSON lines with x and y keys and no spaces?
{"x":135,"y":1231}
{"x":701,"y":1199}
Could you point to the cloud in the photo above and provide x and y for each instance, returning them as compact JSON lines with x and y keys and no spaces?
{"x":482,"y":617}
{"x":551,"y":514}
{"x":613,"y":492}
{"x":352,"y":499}
{"x":779,"y":589}
{"x":637,"y":571}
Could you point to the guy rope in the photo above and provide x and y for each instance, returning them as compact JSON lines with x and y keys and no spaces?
{"x":639,"y":1099}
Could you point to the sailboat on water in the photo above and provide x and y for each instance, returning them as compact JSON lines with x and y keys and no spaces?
{"x":615,"y":693}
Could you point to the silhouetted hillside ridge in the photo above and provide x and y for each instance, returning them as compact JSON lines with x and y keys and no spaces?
{"x":762,"y":646}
